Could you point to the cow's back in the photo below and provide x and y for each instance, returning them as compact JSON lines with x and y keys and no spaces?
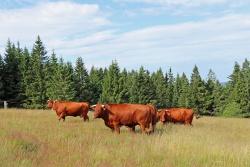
{"x":130,"y":113}
{"x":182,"y":115}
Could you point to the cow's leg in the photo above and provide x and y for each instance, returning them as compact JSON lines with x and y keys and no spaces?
{"x":148,"y":128}
{"x":132,"y":129}
{"x":143,"y":128}
{"x":62,"y":116}
{"x":86,"y":118}
{"x":117,"y":128}
{"x":188,"y":123}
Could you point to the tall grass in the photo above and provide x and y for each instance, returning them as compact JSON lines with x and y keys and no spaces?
{"x":36,"y":138}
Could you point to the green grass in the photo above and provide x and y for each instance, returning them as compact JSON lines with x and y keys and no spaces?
{"x":36,"y":138}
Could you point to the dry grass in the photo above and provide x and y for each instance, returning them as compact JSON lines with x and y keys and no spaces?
{"x":36,"y":138}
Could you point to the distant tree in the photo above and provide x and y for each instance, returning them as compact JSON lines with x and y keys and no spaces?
{"x":160,"y":89}
{"x":232,"y":110}
{"x":210,"y":96}
{"x":11,"y":77}
{"x":1,"y":78}
{"x":36,"y":89}
{"x":132,"y":86}
{"x":143,"y":90}
{"x":177,"y":91}
{"x":219,"y":98}
{"x":53,"y":75}
{"x":123,"y":89}
{"x":81,"y":81}
{"x":95,"y":79}
{"x":170,"y":87}
{"x":197,"y":92}
{"x":183,"y":100}
{"x":245,"y":91}
{"x":60,"y":85}
{"x":110,"y":86}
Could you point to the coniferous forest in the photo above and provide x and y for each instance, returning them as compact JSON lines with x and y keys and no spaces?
{"x":29,"y":78}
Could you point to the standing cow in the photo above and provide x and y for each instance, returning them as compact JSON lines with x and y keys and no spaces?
{"x":67,"y":108}
{"x":129,"y":115}
{"x":176,"y":115}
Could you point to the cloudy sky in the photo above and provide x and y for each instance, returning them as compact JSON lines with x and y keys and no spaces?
{"x":153,"y":33}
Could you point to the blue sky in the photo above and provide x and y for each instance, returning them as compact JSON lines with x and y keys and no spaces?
{"x":153,"y":33}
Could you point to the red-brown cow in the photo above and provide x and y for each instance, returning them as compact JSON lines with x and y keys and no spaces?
{"x":176,"y":115}
{"x":129,"y":115}
{"x":67,"y":108}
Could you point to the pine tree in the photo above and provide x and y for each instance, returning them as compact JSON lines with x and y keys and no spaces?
{"x":183,"y":100}
{"x":123,"y":95}
{"x":245,"y":102}
{"x":219,"y":98}
{"x":11,"y":75}
{"x":52,"y":77}
{"x":95,"y":81}
{"x":170,"y":87}
{"x":1,"y":78}
{"x":60,"y":85}
{"x":110,"y":86}
{"x":142,"y":90}
{"x":177,"y":89}
{"x":160,"y":89}
{"x":36,"y":89}
{"x":81,"y":81}
{"x":210,"y":96}
{"x":197,"y":92}
{"x":66,"y":83}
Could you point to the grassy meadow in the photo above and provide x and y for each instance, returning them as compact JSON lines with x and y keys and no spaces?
{"x":36,"y":138}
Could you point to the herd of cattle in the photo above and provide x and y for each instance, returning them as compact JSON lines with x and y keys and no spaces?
{"x":117,"y":115}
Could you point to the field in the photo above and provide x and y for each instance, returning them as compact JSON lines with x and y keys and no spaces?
{"x":36,"y":138}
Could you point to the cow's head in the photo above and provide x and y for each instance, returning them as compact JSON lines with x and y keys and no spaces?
{"x":161,"y":115}
{"x":167,"y":115}
{"x":99,"y":110}
{"x":50,"y":104}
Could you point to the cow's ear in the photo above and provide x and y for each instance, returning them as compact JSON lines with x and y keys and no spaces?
{"x":92,"y":107}
{"x":167,"y":112}
{"x":163,"y":116}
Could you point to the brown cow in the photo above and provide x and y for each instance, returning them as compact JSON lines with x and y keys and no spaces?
{"x":129,"y":115}
{"x":176,"y":115}
{"x":68,"y":108}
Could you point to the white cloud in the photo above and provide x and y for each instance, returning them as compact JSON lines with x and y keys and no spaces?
{"x":52,"y":20}
{"x":81,"y":30}
{"x":187,"y":3}
{"x":211,"y":43}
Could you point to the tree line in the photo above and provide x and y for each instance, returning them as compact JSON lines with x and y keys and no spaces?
{"x":29,"y":78}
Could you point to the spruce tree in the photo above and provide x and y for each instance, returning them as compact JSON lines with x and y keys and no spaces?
{"x":52,"y":77}
{"x":123,"y":90}
{"x":142,"y":90}
{"x":36,"y":90}
{"x":183,"y":100}
{"x":81,"y":81}
{"x":170,"y":87}
{"x":110,"y":86}
{"x":160,"y":89}
{"x":11,"y":77}
{"x":60,"y":85}
{"x":210,"y":96}
{"x":177,"y":89}
{"x":197,"y":92}
{"x":245,"y":95}
{"x":1,"y":78}
{"x":95,"y":81}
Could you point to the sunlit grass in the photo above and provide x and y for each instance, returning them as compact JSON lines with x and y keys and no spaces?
{"x":36,"y":138}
